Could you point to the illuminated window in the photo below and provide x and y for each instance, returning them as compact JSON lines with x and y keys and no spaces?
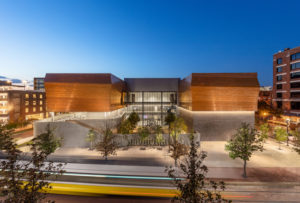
{"x":34,"y":103}
{"x":26,"y":96}
{"x":34,"y":109}
{"x":34,"y":95}
{"x":41,"y":102}
{"x":41,"y":108}
{"x":26,"y":103}
{"x":26,"y":110}
{"x":41,"y":96}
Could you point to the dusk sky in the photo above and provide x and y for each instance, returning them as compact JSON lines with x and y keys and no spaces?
{"x":145,"y":38}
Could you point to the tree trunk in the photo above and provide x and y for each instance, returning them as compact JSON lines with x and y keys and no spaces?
{"x":169,"y":139}
{"x":245,"y":165}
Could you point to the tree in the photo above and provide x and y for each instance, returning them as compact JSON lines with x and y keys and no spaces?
{"x":107,"y":146}
{"x":157,"y":130}
{"x":133,"y":119}
{"x":296,"y":141}
{"x":243,"y":144}
{"x":47,"y":142}
{"x":125,"y":127}
{"x":143,"y":132}
{"x":280,"y":135}
{"x":170,"y":118}
{"x":264,"y":131}
{"x":91,"y":138}
{"x":25,"y":181}
{"x":195,"y":187}
{"x":178,"y":150}
{"x":178,"y":126}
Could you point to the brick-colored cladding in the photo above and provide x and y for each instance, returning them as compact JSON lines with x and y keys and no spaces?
{"x":284,"y":86}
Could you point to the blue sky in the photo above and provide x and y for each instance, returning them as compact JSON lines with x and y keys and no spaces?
{"x":145,"y":38}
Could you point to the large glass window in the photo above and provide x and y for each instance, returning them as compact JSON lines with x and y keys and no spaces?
{"x":295,"y":65}
{"x":295,"y":56}
{"x":295,"y":105}
{"x":295,"y":85}
{"x":279,"y":87}
{"x":295,"y":94}
{"x":295,"y":75}
{"x":279,"y":69}
{"x":279,"y":104}
{"x":279,"y":77}
{"x":152,"y":96}
{"x":279,"y":95}
{"x":279,"y":61}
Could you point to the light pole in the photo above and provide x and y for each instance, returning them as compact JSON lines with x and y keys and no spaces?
{"x":287,"y":131}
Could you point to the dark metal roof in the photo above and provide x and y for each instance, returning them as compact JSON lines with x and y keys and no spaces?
{"x":152,"y":84}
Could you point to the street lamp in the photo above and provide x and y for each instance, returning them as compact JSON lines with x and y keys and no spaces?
{"x":287,"y":131}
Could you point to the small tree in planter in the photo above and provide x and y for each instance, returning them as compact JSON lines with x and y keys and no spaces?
{"x":47,"y":142}
{"x":243,"y":144}
{"x":169,"y":119}
{"x":157,"y":130}
{"x":107,"y":146}
{"x":133,"y":119}
{"x":280,"y":135}
{"x":296,"y":140}
{"x":91,"y":138}
{"x":143,"y":132}
{"x":125,"y":127}
{"x":178,"y":150}
{"x":264,"y":131}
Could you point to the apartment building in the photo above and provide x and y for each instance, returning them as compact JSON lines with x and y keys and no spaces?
{"x":286,"y":81}
{"x":38,"y":83}
{"x":18,"y":104}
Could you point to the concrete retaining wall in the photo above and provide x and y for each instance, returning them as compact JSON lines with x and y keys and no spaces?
{"x":216,"y":125}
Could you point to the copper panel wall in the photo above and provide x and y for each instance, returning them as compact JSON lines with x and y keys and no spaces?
{"x":219,"y":92}
{"x":100,"y":94}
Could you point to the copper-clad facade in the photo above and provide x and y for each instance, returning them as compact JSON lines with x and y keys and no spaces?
{"x":219,"y":92}
{"x":83,"y":92}
{"x":197,"y":92}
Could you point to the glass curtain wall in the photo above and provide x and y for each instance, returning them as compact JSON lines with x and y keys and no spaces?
{"x":151,"y":106}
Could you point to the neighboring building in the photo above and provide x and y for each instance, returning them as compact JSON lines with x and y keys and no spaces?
{"x":38,"y":83}
{"x":265,"y":94}
{"x":286,"y":81}
{"x":19,"y":105}
{"x":213,"y":104}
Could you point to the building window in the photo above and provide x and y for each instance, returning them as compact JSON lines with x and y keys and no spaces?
{"x":41,"y":102}
{"x":295,"y":75}
{"x":34,"y":96}
{"x":279,"y":77}
{"x":41,"y":108}
{"x":295,"y":94}
{"x":279,"y":61}
{"x":26,"y":110}
{"x":279,"y":104}
{"x":41,"y":96}
{"x":295,"y":85}
{"x":295,"y":105}
{"x":279,"y":95}
{"x":279,"y":69}
{"x":279,"y":87}
{"x":33,"y":103}
{"x":295,"y":65}
{"x":295,"y":56}
{"x":133,"y":98}
{"x":26,"y":103}
{"x":34,"y":109}
{"x":26,"y":96}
